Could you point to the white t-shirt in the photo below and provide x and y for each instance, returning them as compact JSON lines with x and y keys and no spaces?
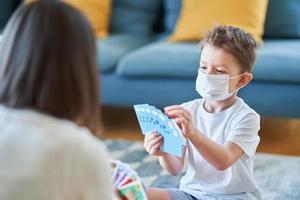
{"x":239,"y":124}
{"x":42,"y":157}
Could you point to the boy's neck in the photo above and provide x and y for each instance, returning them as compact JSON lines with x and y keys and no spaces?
{"x":218,"y":106}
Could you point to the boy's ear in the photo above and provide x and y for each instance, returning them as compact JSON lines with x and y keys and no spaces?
{"x":244,"y":80}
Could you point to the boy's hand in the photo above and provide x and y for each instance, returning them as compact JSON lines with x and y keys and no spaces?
{"x":183,"y":118}
{"x":152,"y":144}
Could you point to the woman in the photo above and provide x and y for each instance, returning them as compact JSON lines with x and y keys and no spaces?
{"x":49,"y":99}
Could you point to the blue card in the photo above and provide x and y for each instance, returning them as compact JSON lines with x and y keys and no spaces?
{"x":152,"y":119}
{"x":143,"y":118}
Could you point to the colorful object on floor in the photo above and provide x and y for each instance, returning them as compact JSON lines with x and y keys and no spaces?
{"x":152,"y":119}
{"x":126,"y":181}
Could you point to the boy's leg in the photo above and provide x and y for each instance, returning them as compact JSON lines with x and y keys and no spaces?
{"x":157,"y":193}
{"x":168,"y":194}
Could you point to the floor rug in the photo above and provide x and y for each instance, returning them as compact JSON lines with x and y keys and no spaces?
{"x":278,"y":177}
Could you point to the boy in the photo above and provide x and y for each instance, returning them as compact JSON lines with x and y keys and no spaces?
{"x":221,"y":129}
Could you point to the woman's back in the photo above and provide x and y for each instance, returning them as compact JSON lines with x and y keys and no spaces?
{"x":48,"y":92}
{"x":42,"y":157}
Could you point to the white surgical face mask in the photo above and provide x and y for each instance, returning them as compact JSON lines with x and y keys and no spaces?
{"x":214,"y":87}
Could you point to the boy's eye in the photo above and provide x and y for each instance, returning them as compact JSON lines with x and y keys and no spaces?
{"x":220,"y":71}
{"x":203,"y":67}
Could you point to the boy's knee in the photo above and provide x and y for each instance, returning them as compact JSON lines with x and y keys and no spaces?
{"x":156,"y":193}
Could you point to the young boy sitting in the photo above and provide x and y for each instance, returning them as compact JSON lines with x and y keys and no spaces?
{"x":221,"y":129}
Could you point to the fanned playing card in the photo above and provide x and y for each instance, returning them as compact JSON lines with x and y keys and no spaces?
{"x":152,"y":119}
{"x":126,"y":181}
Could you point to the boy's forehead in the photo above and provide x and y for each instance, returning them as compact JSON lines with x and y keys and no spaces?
{"x":212,"y":55}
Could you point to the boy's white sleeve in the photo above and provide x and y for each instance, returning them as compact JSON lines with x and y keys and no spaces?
{"x":244,"y":133}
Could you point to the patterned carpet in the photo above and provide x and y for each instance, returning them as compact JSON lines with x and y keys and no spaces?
{"x":277,"y":176}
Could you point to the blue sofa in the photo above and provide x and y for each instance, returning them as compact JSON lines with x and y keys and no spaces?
{"x":138,"y":65}
{"x":6,"y":9}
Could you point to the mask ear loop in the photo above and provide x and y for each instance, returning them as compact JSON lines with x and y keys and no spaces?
{"x":234,"y":77}
{"x":237,"y":77}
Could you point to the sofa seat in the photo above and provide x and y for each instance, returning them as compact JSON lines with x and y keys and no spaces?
{"x":277,"y":61}
{"x":161,"y":59}
{"x":268,"y":99}
{"x":113,"y":48}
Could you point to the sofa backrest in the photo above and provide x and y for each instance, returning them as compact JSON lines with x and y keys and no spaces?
{"x":282,"y":19}
{"x":171,"y":13}
{"x":144,"y":17}
{"x":135,"y":16}
{"x":7,"y":7}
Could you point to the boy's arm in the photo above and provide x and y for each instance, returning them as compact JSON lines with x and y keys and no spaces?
{"x":221,"y":157}
{"x":170,"y":163}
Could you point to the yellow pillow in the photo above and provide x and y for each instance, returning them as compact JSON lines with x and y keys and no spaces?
{"x":97,"y":12}
{"x":197,"y":17}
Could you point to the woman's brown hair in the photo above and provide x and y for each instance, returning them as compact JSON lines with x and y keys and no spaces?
{"x":48,"y":63}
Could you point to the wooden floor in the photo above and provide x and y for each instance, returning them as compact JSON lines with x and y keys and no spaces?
{"x":278,"y":135}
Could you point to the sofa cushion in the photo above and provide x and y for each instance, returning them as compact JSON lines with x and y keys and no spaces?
{"x":134,"y":16}
{"x":277,"y":61}
{"x":283,"y":19}
{"x":111,"y":49}
{"x":171,"y":13}
{"x":97,"y":12}
{"x":161,"y":59}
{"x":197,"y":17}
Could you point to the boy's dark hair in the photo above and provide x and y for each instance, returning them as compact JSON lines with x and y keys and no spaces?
{"x":236,"y":41}
{"x":48,"y":63}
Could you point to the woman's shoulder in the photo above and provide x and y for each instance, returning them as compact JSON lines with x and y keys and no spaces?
{"x":54,"y":133}
{"x":79,"y":140}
